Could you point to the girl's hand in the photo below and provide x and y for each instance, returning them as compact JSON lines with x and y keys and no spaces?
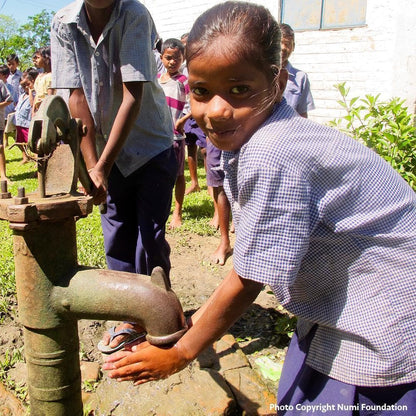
{"x":145,"y":362}
{"x":100,"y":185}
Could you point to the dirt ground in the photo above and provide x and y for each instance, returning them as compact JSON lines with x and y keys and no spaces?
{"x":193,"y":278}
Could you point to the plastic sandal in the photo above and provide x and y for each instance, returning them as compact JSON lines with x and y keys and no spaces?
{"x":132,"y":336}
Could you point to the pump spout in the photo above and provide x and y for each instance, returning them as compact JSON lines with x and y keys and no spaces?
{"x":111,"y":295}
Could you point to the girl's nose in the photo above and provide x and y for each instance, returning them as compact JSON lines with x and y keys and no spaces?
{"x":219,"y":109}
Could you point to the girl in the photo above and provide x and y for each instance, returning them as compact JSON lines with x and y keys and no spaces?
{"x":23,"y":113}
{"x":323,"y":220}
{"x":42,"y":87}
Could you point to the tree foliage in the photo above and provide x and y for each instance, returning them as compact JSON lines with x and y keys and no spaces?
{"x":24,"y":40}
{"x":7,"y":35}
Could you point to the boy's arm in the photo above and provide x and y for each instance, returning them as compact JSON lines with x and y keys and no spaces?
{"x":123,"y":123}
{"x":5,"y":103}
{"x":99,"y":168}
{"x":147,"y":362}
{"x":79,"y":108}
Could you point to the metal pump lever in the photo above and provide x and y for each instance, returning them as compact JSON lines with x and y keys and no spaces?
{"x":55,"y":137}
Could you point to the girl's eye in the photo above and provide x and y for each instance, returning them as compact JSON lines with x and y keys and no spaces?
{"x":239,"y":89}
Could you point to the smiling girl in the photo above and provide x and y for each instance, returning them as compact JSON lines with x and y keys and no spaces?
{"x":321,"y":219}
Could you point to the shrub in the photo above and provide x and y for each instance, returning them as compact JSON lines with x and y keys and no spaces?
{"x":386,"y":127}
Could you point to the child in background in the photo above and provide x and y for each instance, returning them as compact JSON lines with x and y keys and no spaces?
{"x":23,"y":114}
{"x":14,"y":92}
{"x":298,"y":89}
{"x":222,"y":209}
{"x":175,"y":86}
{"x":194,"y":139}
{"x":5,"y":100}
{"x":42,"y":87}
{"x":15,"y":74}
{"x":13,"y":79}
{"x":319,"y":217}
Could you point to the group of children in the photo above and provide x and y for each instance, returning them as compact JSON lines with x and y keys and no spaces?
{"x":21,"y":94}
{"x":320,"y":218}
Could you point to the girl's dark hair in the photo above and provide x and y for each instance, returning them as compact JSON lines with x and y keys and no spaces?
{"x":45,"y":53}
{"x":250,"y":29}
{"x":4,"y":70}
{"x":31,"y":73}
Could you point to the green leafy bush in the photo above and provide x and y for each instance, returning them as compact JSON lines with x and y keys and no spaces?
{"x":386,"y":127}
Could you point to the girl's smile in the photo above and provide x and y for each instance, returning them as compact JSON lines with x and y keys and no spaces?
{"x":230,"y":98}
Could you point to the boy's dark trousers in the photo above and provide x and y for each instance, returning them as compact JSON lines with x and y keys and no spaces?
{"x":138,"y":208}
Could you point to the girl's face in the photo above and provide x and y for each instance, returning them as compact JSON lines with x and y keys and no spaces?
{"x":26,"y":84}
{"x":38,"y":61}
{"x":230,"y":99}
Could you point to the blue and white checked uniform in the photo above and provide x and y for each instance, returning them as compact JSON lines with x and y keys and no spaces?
{"x":331,"y":227}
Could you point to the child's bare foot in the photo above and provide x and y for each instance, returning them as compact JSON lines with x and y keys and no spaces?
{"x":192,"y":188}
{"x":221,"y":254}
{"x":176,"y":221}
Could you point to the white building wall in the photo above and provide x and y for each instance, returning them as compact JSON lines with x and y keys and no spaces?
{"x":379,"y":58}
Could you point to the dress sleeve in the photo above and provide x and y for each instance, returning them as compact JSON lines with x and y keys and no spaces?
{"x":273,"y":230}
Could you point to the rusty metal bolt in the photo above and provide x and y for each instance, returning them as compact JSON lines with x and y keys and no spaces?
{"x":21,"y":197}
{"x":4,"y":194}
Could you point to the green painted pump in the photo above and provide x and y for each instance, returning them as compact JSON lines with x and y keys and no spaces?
{"x":53,"y":291}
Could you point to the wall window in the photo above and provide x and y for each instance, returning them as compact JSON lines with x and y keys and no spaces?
{"x":323,"y":14}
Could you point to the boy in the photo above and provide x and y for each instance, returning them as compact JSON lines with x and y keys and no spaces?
{"x":5,"y":100}
{"x":14,"y":92}
{"x":298,"y":90}
{"x":15,"y":74}
{"x":175,"y":86}
{"x":102,"y":51}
